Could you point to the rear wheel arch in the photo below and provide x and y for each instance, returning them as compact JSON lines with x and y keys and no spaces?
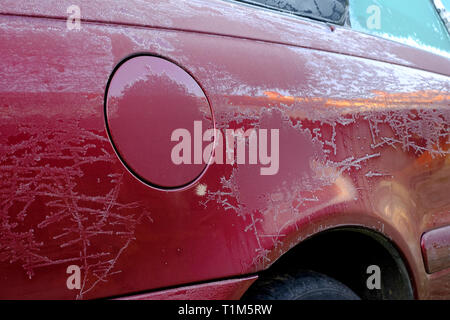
{"x":344,"y":254}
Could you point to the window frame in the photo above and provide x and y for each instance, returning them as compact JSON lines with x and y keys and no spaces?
{"x":443,"y":13}
{"x":343,"y":22}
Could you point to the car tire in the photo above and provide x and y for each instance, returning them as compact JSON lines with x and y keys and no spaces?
{"x":302,"y":285}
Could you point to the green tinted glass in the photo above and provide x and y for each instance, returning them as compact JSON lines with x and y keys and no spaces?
{"x":412,"y":22}
{"x":446,"y":4}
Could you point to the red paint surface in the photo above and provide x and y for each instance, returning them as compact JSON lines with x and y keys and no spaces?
{"x":363,"y":141}
{"x":436,"y":249}
{"x":217,"y":290}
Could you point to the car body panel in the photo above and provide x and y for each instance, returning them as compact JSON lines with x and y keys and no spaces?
{"x":362,"y":143}
{"x":235,"y":19}
{"x":232,"y":289}
{"x":436,"y":249}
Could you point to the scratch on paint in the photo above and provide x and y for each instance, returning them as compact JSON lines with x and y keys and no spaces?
{"x":42,"y":165}
{"x":415,"y":129}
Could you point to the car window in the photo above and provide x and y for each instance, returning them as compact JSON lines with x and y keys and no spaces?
{"x":413,"y":22}
{"x":443,"y":7}
{"x":334,"y":11}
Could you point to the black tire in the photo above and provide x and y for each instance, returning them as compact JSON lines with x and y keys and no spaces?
{"x":303,"y":285}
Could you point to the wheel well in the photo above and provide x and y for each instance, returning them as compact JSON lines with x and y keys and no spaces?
{"x":344,"y":254}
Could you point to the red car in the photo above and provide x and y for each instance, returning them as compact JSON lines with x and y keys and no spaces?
{"x":219,"y":150}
